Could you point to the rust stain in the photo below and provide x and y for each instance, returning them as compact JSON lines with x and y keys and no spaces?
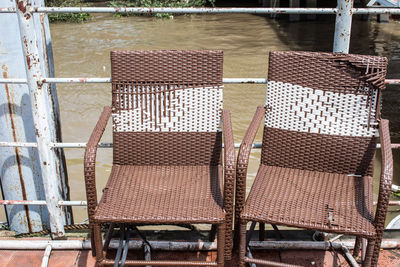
{"x":21,"y":6}
{"x":17,"y":157}
{"x":42,"y":22}
{"x":28,"y":62}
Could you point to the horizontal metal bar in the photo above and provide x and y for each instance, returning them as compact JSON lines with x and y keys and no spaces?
{"x":84,"y":203}
{"x":13,"y":81}
{"x":23,"y":202}
{"x":110,"y":145}
{"x":17,"y":144}
{"x":76,"y":80}
{"x":187,"y":10}
{"x":378,"y":10}
{"x":392,"y":81}
{"x":79,"y":145}
{"x":72,"y":203}
{"x":245,"y":80}
{"x":224,"y":10}
{"x":108,"y":80}
{"x":192,"y":10}
{"x":42,"y":202}
{"x":41,"y":244}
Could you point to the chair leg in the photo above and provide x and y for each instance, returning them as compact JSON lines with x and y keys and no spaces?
{"x":92,"y":240}
{"x":261,"y":231}
{"x":369,"y":252}
{"x":377,"y":248}
{"x":242,"y":242}
{"x":357,"y":247}
{"x":228,"y":242}
{"x":98,"y":243}
{"x":221,"y":245}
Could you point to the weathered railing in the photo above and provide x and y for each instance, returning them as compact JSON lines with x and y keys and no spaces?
{"x":39,"y":99}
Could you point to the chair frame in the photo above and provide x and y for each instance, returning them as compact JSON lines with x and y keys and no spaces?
{"x":371,"y":251}
{"x":224,"y":229}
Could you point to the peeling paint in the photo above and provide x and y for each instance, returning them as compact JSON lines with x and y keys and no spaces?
{"x":21,"y":6}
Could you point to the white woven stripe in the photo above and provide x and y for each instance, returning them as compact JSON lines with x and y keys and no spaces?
{"x":297,"y":108}
{"x":183,"y":110}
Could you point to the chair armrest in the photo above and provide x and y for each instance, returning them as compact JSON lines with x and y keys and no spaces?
{"x":229,"y":161}
{"x":90,"y":160}
{"x":229,"y":178}
{"x":243,"y":161}
{"x":385,"y":183}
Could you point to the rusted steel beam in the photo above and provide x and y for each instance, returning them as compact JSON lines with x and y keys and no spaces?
{"x":21,"y":176}
{"x":41,"y":116}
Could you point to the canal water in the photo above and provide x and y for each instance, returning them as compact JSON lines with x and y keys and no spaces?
{"x":82,"y":50}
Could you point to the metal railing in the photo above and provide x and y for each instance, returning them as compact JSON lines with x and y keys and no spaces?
{"x":39,"y":98}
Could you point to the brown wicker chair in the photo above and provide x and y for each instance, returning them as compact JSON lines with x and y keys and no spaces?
{"x":167,"y":169}
{"x":321,"y":115}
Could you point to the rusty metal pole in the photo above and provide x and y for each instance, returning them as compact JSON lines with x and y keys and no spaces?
{"x":41,"y":116}
{"x":344,"y":16}
{"x":19,"y":166}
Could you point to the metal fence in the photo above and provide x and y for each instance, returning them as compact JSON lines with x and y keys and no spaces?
{"x":39,"y":98}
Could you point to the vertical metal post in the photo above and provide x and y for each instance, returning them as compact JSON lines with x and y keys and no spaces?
{"x":41,"y":115}
{"x":294,"y":4}
{"x":344,"y":15}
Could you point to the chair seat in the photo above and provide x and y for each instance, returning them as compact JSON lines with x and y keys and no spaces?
{"x":314,"y":200}
{"x":162,"y":194}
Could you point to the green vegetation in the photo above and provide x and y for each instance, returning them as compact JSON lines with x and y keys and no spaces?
{"x":83,"y":17}
{"x":67,"y":17}
{"x":159,"y":3}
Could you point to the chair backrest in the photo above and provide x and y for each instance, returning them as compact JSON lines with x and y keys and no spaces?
{"x":322,"y":111}
{"x":166,"y":107}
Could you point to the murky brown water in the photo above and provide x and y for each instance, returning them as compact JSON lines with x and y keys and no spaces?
{"x":82,"y":50}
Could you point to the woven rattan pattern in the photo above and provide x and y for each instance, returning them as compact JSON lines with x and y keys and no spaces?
{"x":314,"y":200}
{"x":156,"y":75}
{"x":167,"y":148}
{"x":327,"y":71}
{"x":179,"y":67}
{"x":192,"y":184}
{"x":162,"y":194}
{"x":347,"y":74}
{"x":298,"y":108}
{"x":145,"y":109}
{"x":318,"y":152}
